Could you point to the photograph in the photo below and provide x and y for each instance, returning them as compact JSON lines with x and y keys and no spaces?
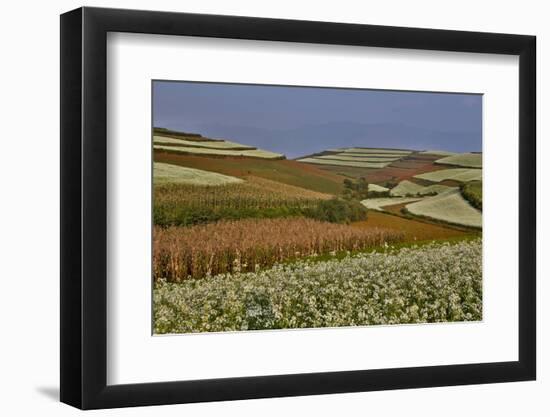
{"x":280,"y":207}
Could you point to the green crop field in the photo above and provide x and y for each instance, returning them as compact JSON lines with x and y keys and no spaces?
{"x":435,"y":189}
{"x":399,"y":152}
{"x":405,"y":188}
{"x":255,"y":153}
{"x":435,"y":152}
{"x":449,"y":207}
{"x":344,"y":163}
{"x":456,"y":174}
{"x":165,"y":140}
{"x":353,"y":157}
{"x":467,"y":160}
{"x":379,"y":203}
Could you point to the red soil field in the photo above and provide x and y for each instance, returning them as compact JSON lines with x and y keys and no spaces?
{"x":284,"y":170}
{"x":413,"y":230}
{"x":405,"y":169}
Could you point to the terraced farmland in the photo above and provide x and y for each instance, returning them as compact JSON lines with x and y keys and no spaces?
{"x":174,"y":174}
{"x":372,"y":151}
{"x":467,"y":160}
{"x":377,"y":188}
{"x":254,"y":153}
{"x":456,"y":174}
{"x":450,"y":207}
{"x":344,"y":163}
{"x":380,"y":203}
{"x":210,"y":144}
{"x":405,"y":188}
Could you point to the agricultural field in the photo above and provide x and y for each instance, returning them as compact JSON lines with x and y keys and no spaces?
{"x":174,"y":174}
{"x":424,"y":284}
{"x":377,"y":188}
{"x":380,"y":203}
{"x":449,"y":207}
{"x":189,"y":204}
{"x":295,"y":224}
{"x":467,"y":160}
{"x":354,"y":163}
{"x":306,"y":176}
{"x":455,"y":174}
{"x":250,"y":245}
{"x":221,"y":144}
{"x":406,"y":188}
{"x":254,"y":153}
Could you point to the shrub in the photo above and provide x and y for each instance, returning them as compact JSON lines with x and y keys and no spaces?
{"x":337,"y":210}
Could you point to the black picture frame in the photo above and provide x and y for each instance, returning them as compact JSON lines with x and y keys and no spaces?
{"x":84,"y":207}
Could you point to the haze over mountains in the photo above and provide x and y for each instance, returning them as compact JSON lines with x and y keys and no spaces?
{"x":297,"y":142}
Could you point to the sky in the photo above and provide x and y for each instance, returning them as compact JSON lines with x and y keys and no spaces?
{"x":299,"y":121}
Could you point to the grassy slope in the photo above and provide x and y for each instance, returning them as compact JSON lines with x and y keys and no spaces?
{"x":285,"y":171}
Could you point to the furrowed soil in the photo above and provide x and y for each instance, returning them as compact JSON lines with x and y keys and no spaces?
{"x":285,"y":171}
{"x":413,"y":230}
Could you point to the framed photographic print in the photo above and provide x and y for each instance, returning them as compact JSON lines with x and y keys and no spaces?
{"x":258,"y":207}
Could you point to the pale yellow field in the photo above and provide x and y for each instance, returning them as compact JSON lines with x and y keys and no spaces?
{"x":457,"y":174}
{"x":377,"y":188}
{"x":164,"y":140}
{"x":379,"y":203}
{"x":255,"y":153}
{"x":450,"y":207}
{"x":467,"y":160}
{"x":167,"y":173}
{"x":405,"y":188}
{"x":344,"y":163}
{"x":363,"y":158}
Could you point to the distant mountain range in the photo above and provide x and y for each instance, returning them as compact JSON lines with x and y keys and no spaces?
{"x":316,"y":138}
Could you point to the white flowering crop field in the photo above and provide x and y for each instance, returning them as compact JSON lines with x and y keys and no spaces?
{"x":168,"y":173}
{"x":425,"y":284}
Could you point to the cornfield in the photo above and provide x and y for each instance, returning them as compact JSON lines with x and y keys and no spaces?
{"x":199,"y":251}
{"x":181,"y":204}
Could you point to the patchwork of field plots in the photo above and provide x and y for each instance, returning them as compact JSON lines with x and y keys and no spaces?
{"x":456,"y":174}
{"x":405,"y":188}
{"x":285,"y":171}
{"x":211,"y":144}
{"x":372,"y":151}
{"x":436,"y":152}
{"x":467,"y":160}
{"x":358,"y":164}
{"x":167,"y":173}
{"x":450,"y":207}
{"x":435,"y":189}
{"x":380,"y":203}
{"x":357,"y":157}
{"x":255,"y":153}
